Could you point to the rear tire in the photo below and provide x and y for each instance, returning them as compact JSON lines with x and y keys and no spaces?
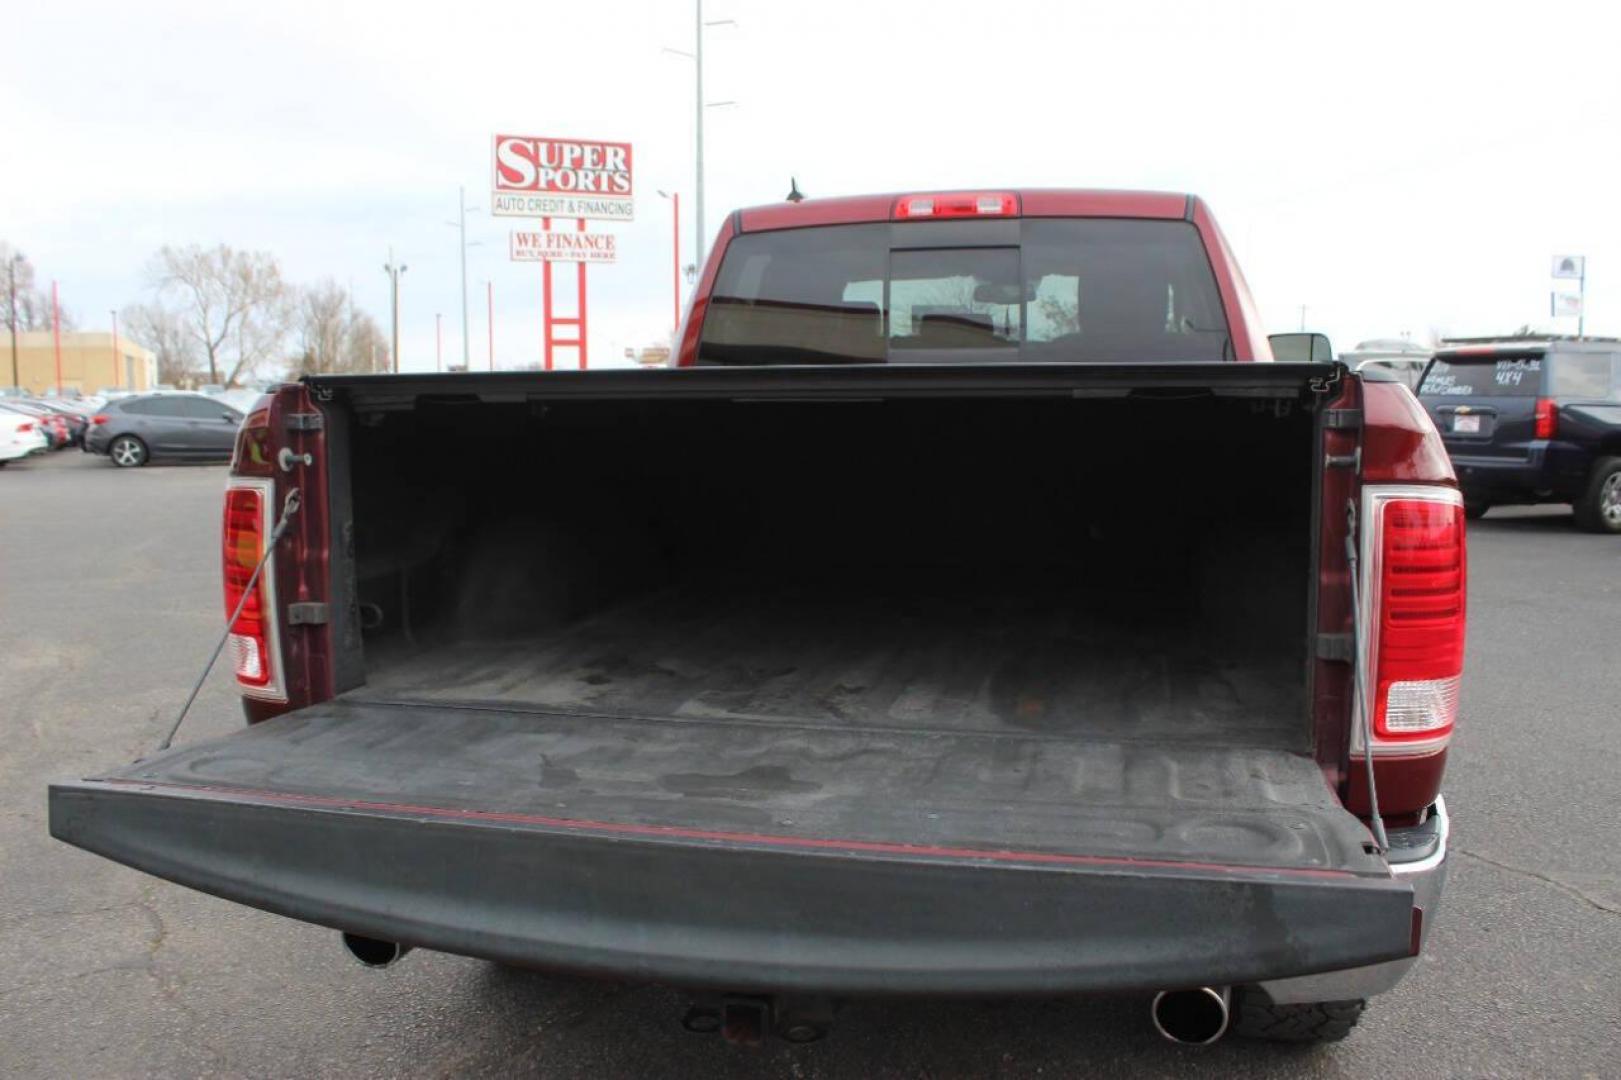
{"x":1256,"y":1017}
{"x":127,"y":452}
{"x":1599,"y":510}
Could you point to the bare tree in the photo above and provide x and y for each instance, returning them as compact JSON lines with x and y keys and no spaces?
{"x":332,"y":336}
{"x":31,"y":309}
{"x":164,"y":332}
{"x":233,"y":304}
{"x":365,"y":348}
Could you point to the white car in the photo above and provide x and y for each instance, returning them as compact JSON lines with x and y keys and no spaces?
{"x":19,"y":436}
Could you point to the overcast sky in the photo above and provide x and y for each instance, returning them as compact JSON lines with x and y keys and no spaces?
{"x":1393,"y":167}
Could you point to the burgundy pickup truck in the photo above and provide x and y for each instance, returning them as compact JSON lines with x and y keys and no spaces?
{"x":977,"y":607}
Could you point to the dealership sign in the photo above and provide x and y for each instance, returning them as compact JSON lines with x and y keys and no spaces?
{"x":537,"y":176}
{"x":564,"y":247}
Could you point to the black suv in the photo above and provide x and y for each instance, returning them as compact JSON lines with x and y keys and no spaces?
{"x":1532,"y":421}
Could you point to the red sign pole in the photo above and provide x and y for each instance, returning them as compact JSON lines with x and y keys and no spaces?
{"x":56,"y":333}
{"x":581,"y":326}
{"x":546,"y":296}
{"x":675,"y":246}
{"x":553,"y":320}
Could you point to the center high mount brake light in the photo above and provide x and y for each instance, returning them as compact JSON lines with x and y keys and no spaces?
{"x":957,"y":204}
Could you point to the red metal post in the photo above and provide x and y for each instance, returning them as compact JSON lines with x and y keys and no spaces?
{"x":489,"y":292}
{"x":675,"y":279}
{"x":56,"y":334}
{"x":546,"y":296}
{"x":551,"y":320}
{"x":581,"y":324}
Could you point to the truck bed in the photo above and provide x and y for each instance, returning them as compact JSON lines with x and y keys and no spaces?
{"x":842,"y":682}
{"x":930,"y":658}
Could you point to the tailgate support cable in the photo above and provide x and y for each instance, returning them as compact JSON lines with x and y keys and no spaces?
{"x":289,"y":507}
{"x":1360,"y":675}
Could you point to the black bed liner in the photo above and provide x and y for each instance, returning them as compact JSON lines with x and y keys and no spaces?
{"x":865,"y":655}
{"x":769,"y":856}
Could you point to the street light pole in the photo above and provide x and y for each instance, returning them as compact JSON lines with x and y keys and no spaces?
{"x":675,"y":279}
{"x":56,"y":333}
{"x":461,"y":224}
{"x":698,"y":58}
{"x":1581,"y":301}
{"x":394,"y":271}
{"x":11,"y":269}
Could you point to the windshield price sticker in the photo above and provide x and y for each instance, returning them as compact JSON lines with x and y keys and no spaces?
{"x":1511,"y":372}
{"x":1442,"y":378}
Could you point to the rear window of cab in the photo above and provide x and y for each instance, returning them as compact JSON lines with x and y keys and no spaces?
{"x":1032,"y":290}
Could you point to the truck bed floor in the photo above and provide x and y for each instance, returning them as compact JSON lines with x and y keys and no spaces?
{"x":1022,"y":663}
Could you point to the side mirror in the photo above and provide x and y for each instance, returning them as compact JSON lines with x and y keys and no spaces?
{"x":1301,"y":348}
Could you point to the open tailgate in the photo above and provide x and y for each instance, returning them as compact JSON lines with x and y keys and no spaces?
{"x":734,"y":855}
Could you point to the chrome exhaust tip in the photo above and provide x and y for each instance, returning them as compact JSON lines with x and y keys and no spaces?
{"x":1195,"y":1017}
{"x":374,"y":952}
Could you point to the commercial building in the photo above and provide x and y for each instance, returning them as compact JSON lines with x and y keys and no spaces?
{"x":91,"y":360}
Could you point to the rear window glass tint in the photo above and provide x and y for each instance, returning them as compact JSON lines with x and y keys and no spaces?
{"x":955,"y":298}
{"x":1108,"y":289}
{"x":1484,"y":376}
{"x":1593,"y":377}
{"x":805,"y":296}
{"x":1072,"y":290}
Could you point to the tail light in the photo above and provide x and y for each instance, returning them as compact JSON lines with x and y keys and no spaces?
{"x":26,"y":425}
{"x":957,"y":204}
{"x":253,"y":637}
{"x":1547,"y":418}
{"x":99,"y":418}
{"x":1415,"y":574}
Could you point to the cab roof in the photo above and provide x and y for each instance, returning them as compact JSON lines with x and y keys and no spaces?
{"x":1028,"y":202}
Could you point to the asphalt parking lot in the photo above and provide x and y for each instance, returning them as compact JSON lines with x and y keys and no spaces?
{"x":110,"y":593}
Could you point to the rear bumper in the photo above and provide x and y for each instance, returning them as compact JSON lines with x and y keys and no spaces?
{"x":1418,"y":857}
{"x":1547,"y":472}
{"x":741,"y":911}
{"x":1506,"y":474}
